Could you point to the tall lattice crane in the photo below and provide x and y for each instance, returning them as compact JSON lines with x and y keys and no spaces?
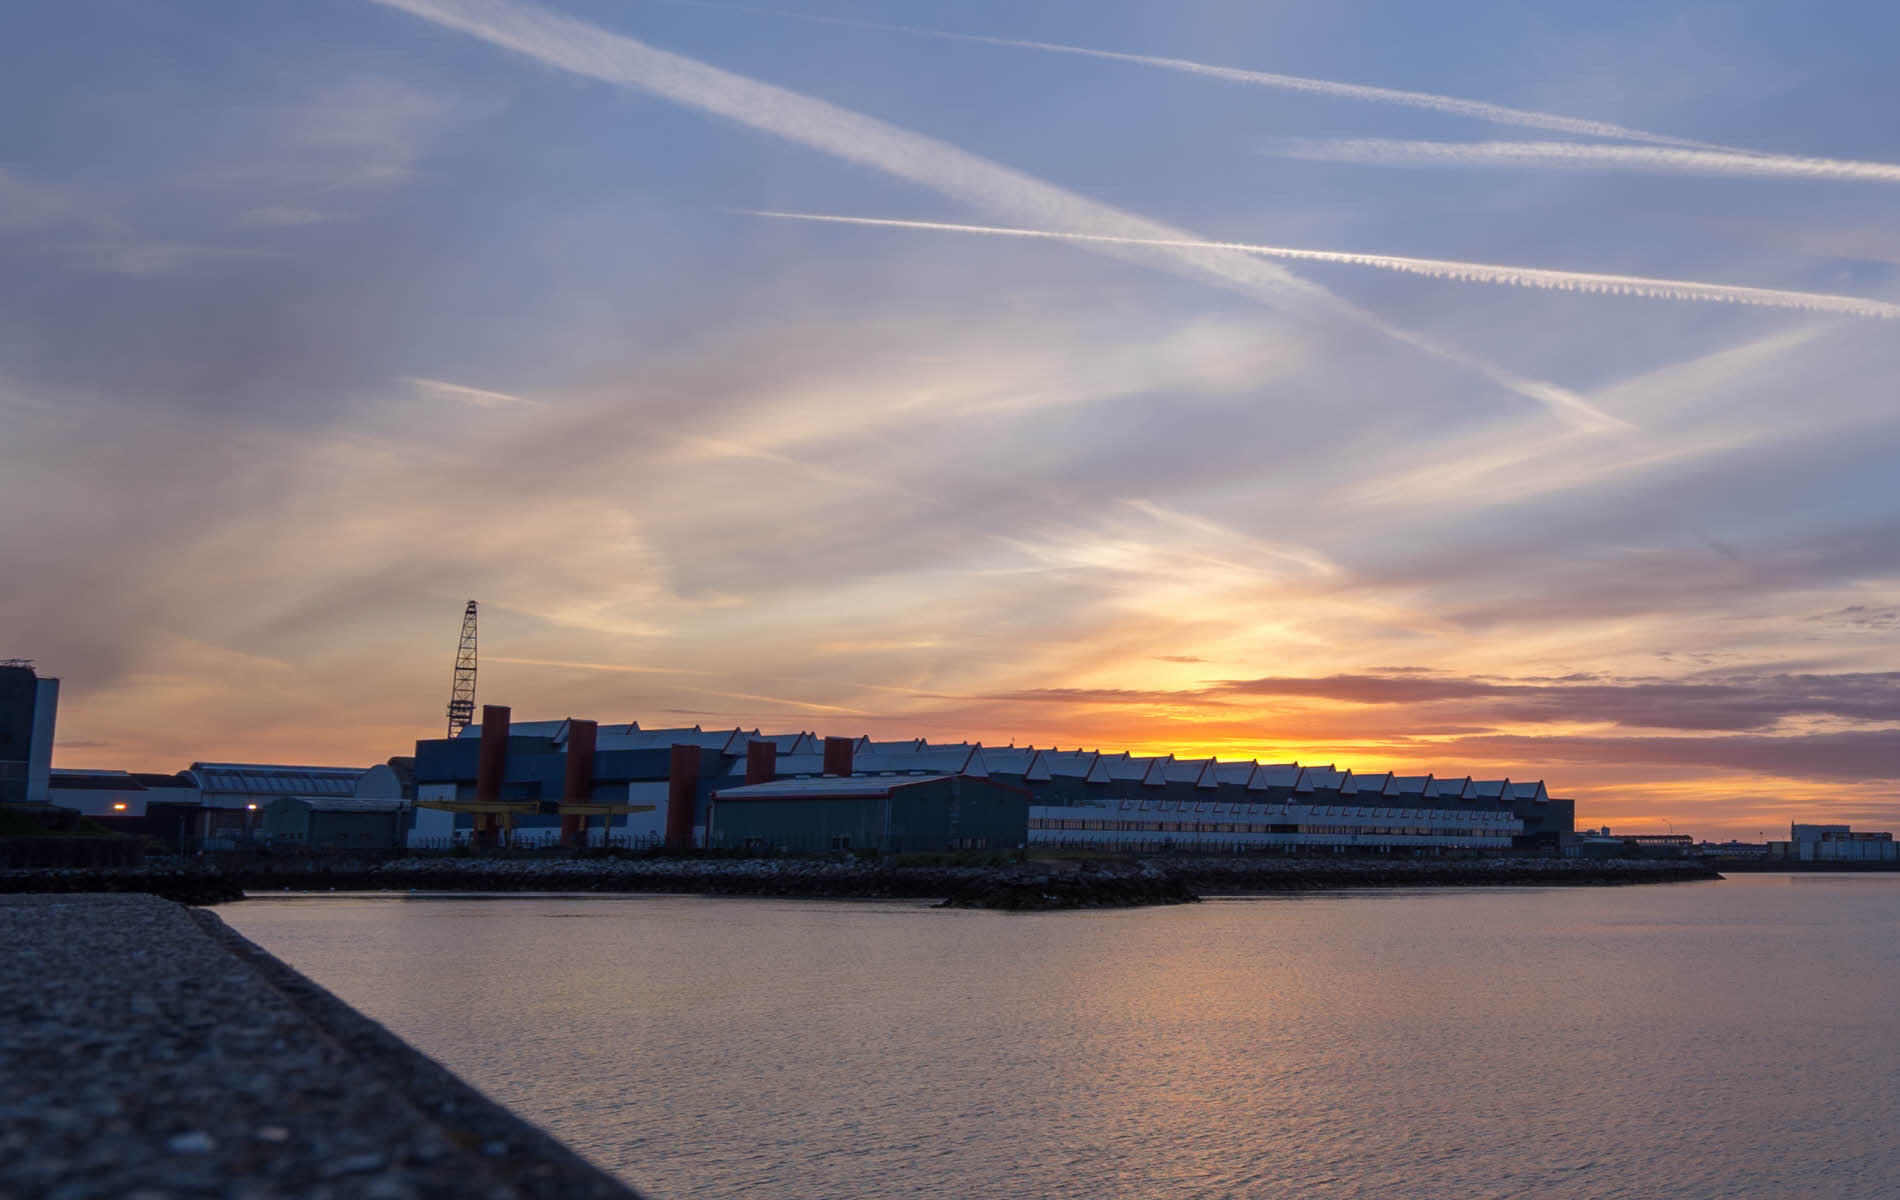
{"x":462,"y":695}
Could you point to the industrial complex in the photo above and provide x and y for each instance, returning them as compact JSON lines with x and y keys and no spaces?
{"x":581,"y":783}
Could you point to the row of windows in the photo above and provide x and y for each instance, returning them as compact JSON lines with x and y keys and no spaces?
{"x":1243,"y":828}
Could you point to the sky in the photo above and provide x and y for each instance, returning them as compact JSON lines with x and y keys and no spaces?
{"x":1476,"y":388}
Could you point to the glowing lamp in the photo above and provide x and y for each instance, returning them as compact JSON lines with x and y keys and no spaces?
{"x":118,"y":806}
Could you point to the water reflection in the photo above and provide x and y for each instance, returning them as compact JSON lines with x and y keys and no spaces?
{"x":1680,"y":1040}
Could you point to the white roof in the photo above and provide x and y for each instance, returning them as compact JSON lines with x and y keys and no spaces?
{"x":1368,"y":786}
{"x":1150,"y":771}
{"x":1009,"y":760}
{"x":792,"y":743}
{"x":1328,"y":777}
{"x":1235,"y":772}
{"x":1069,"y":764}
{"x":726,"y":741}
{"x":1187,"y":770}
{"x":954,"y":760}
{"x":1268,"y":775}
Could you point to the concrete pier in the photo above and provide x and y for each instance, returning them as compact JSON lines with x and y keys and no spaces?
{"x":148,"y":1052}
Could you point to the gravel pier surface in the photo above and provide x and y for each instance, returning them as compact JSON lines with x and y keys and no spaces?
{"x":148,"y":1052}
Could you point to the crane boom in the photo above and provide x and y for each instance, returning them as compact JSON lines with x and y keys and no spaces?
{"x":462,"y":694}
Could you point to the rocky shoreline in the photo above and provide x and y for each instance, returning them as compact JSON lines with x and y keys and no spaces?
{"x":1031,"y":885}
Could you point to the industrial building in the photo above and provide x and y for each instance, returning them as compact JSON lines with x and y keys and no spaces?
{"x":216,"y":805}
{"x":581,"y":782}
{"x":333,"y":823}
{"x":1838,"y":844}
{"x":886,"y":811}
{"x":29,"y":706}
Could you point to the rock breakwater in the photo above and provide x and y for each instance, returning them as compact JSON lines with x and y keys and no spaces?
{"x":1016,"y":886}
{"x":1243,"y":875}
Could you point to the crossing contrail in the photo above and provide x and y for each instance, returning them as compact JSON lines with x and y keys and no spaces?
{"x":1480,"y":110}
{"x":1583,"y":156}
{"x":1661,"y":153}
{"x":579,"y":48}
{"x":1436,"y":268}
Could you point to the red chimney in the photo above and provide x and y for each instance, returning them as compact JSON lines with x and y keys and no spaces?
{"x":837,"y":756}
{"x":578,"y":786}
{"x":491,"y":761}
{"x":761,"y":762}
{"x":682,"y":782}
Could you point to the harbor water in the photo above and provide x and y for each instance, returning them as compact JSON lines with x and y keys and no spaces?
{"x":1732,"y":1039}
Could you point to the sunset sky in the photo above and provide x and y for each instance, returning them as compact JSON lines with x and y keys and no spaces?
{"x":317,"y":320}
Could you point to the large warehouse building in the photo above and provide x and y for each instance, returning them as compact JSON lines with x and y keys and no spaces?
{"x":579,"y":781}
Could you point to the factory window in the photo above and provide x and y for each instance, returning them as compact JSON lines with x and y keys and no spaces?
{"x":841,"y":841}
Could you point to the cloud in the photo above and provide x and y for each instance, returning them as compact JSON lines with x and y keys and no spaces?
{"x":281,"y":216}
{"x":473,"y":396}
{"x":1434,"y":268}
{"x":587,"y":50}
{"x":32,"y":204}
{"x":1850,"y":756}
{"x":1735,"y":702}
{"x":1861,"y":616}
{"x":1583,"y":156}
{"x":1179,"y":658}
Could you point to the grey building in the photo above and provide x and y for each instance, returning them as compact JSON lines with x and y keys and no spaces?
{"x":333,"y":823}
{"x":870,"y":812}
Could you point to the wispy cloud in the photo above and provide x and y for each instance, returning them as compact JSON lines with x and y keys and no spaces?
{"x":1478,"y":110}
{"x":572,"y":665}
{"x":1738,"y":703}
{"x":281,"y":216}
{"x":850,"y":480}
{"x":1435,"y":268}
{"x":1858,"y":756}
{"x":588,"y":50}
{"x":439,"y":389}
{"x":129,"y":256}
{"x":27,"y":204}
{"x":1582,"y":156}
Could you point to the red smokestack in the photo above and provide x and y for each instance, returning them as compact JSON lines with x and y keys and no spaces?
{"x":837,"y":756}
{"x":491,"y":762}
{"x":682,"y":781}
{"x":578,"y":786}
{"x":761,"y":762}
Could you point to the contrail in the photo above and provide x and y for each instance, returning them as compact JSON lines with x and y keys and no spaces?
{"x":1581,"y":156}
{"x":1480,"y":110}
{"x":1438,"y":268}
{"x":588,"y":50}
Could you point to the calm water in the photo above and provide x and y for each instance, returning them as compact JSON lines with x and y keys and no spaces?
{"x":1705,"y":1040}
